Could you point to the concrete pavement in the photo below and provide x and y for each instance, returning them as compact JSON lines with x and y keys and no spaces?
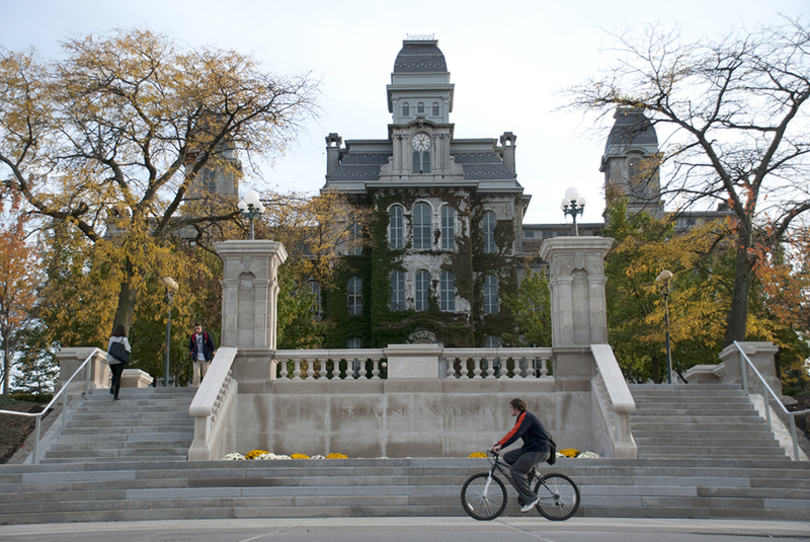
{"x":509,"y":529}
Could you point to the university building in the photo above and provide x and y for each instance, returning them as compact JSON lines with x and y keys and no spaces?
{"x":447,"y":240}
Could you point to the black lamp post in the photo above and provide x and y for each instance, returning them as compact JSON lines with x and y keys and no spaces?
{"x":251,"y":208}
{"x":662,"y":280}
{"x":171,"y":288}
{"x":573,"y":204}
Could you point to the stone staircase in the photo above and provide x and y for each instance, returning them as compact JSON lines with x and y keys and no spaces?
{"x":147,"y":424}
{"x":706,"y":420}
{"x":124,"y":479}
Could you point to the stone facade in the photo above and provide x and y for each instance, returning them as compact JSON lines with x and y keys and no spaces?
{"x":450,"y":211}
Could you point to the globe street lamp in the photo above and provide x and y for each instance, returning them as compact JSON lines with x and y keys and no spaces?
{"x":573,"y":204}
{"x":251,"y":207}
{"x":171,"y":288}
{"x":662,"y":280}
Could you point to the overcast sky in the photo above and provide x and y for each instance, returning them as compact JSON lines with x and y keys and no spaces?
{"x":508,"y":61}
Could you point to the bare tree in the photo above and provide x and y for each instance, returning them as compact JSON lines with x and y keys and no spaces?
{"x":736,"y":111}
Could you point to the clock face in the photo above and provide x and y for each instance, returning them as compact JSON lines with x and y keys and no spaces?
{"x":420,"y":142}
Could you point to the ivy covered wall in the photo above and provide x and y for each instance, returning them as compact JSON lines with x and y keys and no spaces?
{"x":379,"y":326}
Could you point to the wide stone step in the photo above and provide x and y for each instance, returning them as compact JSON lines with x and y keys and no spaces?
{"x":700,"y":444}
{"x":157,"y":458}
{"x":112,"y":453}
{"x":106,"y":425}
{"x":96,"y":445}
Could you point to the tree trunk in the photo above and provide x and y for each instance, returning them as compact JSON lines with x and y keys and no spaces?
{"x":127,"y":299}
{"x":738,"y":314}
{"x":656,"y":370}
{"x":6,"y":367}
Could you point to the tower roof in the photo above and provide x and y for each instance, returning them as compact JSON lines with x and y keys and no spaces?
{"x":631,"y":129}
{"x":420,"y":56}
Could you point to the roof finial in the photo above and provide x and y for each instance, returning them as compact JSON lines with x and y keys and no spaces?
{"x":421,"y":37}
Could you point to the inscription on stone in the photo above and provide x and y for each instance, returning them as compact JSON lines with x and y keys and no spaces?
{"x":362,"y":412}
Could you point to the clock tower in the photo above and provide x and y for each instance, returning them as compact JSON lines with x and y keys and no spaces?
{"x":420,"y":98}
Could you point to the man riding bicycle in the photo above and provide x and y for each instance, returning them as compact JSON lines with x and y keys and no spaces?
{"x":535,"y":449}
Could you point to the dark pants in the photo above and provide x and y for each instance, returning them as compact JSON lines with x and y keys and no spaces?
{"x":519,"y":466}
{"x":117,"y":370}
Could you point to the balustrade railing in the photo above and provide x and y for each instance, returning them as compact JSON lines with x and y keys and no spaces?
{"x":372,"y":363}
{"x":501,"y":363}
{"x":342,"y":364}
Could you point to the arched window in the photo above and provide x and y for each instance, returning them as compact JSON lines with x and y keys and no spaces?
{"x":447,"y":291}
{"x":420,"y":108}
{"x":490,"y":294}
{"x":488,"y":229}
{"x":315,"y":288}
{"x":435,"y":109}
{"x":422,"y":227}
{"x":422,"y":292}
{"x":354,"y":296}
{"x":396,"y":230}
{"x":448,"y":228}
{"x":397,"y":291}
{"x":355,"y":247}
{"x":632,"y":169}
{"x":406,"y":110}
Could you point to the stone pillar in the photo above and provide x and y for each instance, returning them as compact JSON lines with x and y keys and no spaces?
{"x":578,"y":306}
{"x":250,"y":292}
{"x":761,"y":355}
{"x":71,"y":358}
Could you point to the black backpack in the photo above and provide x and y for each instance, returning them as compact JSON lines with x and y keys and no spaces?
{"x":552,"y":455}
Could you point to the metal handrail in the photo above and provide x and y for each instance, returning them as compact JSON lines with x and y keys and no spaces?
{"x":766,"y":390}
{"x":38,"y":415}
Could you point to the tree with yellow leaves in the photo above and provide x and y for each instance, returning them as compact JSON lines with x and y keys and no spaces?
{"x":108,"y":141}
{"x":702,"y":260}
{"x":20,"y":280}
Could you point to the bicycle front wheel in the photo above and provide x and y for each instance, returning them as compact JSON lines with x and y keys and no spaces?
{"x":559,"y":497}
{"x":483,"y":497}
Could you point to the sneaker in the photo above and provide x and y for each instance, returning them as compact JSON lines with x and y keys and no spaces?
{"x":531,"y":505}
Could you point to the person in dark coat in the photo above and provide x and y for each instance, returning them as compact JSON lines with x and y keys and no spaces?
{"x":117,"y":366}
{"x":202,"y":352}
{"x":535,"y":449}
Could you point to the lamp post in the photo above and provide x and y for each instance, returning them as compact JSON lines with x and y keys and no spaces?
{"x":662,"y":280}
{"x":251,"y":207}
{"x":573,"y":204}
{"x":171,"y":288}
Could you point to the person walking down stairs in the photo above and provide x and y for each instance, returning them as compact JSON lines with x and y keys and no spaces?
{"x":202,"y":350}
{"x":118,"y":350}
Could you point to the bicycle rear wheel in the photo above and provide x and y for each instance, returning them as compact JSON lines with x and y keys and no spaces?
{"x":482,"y":497}
{"x":559,"y":497}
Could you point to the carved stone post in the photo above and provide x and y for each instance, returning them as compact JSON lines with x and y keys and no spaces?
{"x":249,"y":298}
{"x":761,"y":355}
{"x":578,"y":306}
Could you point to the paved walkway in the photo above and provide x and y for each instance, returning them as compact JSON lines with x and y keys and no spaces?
{"x":409,"y":529}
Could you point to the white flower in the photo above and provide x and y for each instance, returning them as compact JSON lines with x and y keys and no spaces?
{"x":233,"y":457}
{"x":317,"y":457}
{"x":587,"y":455}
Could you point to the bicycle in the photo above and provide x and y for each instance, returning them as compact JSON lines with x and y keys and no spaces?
{"x":483,"y":495}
